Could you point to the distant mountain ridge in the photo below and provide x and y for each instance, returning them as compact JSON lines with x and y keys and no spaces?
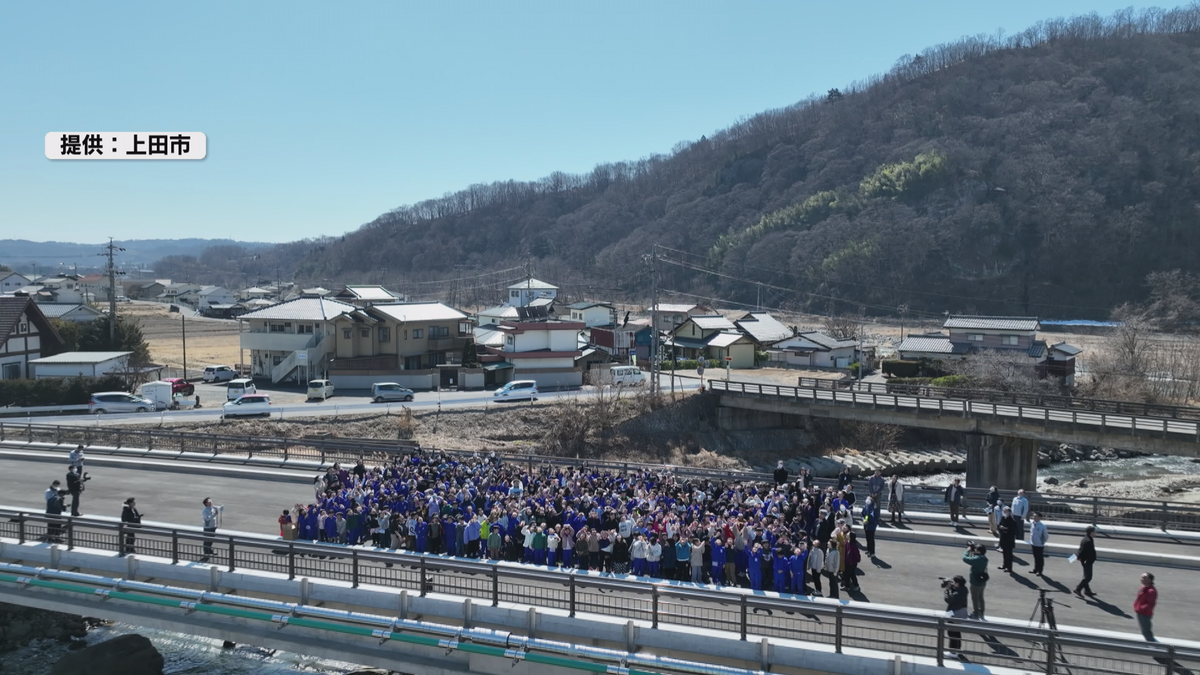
{"x":20,"y":252}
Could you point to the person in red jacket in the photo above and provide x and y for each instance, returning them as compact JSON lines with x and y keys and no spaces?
{"x":1143,"y":605}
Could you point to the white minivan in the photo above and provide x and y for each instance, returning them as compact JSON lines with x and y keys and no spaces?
{"x":517,"y":390}
{"x":627,"y":376}
{"x":239,"y":388}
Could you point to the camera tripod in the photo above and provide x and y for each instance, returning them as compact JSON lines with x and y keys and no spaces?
{"x":1043,"y":609}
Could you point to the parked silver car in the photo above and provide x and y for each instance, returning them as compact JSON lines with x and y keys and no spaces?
{"x":118,"y":402}
{"x":390,"y":391}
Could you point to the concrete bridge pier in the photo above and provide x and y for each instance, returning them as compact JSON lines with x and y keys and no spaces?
{"x":1004,"y":461}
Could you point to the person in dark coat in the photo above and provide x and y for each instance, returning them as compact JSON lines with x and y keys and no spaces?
{"x":1008,"y":528}
{"x":75,"y":487}
{"x":1086,"y":556}
{"x":132,"y":518}
{"x":781,"y":474}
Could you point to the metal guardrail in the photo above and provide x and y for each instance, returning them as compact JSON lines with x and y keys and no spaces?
{"x":1150,"y":410}
{"x":1096,"y":511}
{"x":840,"y":626}
{"x":1104,"y":422}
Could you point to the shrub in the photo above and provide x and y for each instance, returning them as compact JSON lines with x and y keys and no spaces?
{"x":54,"y":391}
{"x":898,"y":368}
{"x":951,"y":381}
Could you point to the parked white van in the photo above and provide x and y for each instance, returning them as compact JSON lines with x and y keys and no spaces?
{"x":239,"y":388}
{"x":627,"y":376}
{"x":517,"y":390}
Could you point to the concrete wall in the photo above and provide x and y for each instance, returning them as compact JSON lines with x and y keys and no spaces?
{"x":417,"y":380}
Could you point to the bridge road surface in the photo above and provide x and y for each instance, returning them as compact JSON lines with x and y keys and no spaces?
{"x":904,"y":574}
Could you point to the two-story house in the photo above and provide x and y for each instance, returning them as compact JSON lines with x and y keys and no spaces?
{"x":95,"y":287}
{"x":624,"y":341}
{"x":671,"y":315}
{"x":713,"y":338}
{"x":365,"y":295}
{"x":522,"y":293}
{"x":763,"y":328}
{"x":11,"y":282}
{"x":214,"y":295}
{"x":65,"y":289}
{"x":25,"y":334}
{"x":543,"y":350}
{"x":416,"y":344}
{"x":1017,"y":335}
{"x":592,"y":313}
{"x":292,"y":341}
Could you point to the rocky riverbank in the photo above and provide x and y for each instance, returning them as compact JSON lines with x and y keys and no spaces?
{"x":19,"y":626}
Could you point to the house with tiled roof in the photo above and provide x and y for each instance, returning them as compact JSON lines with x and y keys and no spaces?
{"x":64,"y":311}
{"x":814,"y":349}
{"x":25,"y":335}
{"x":365,"y":295}
{"x":763,"y":328}
{"x":971,"y":334}
{"x":713,"y":338}
{"x":292,"y":341}
{"x":671,"y":315}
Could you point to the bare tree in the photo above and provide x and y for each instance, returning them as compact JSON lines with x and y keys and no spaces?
{"x":1002,"y":370}
{"x":842,"y":327}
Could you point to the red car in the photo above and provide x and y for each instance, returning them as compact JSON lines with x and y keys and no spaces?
{"x":180,"y":386}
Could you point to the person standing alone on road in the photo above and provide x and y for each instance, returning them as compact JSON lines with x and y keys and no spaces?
{"x":131,"y":517}
{"x":1086,"y":556}
{"x":211,"y":518}
{"x":1143,"y":605}
{"x":896,"y":500}
{"x":76,"y":458}
{"x":1038,"y":536}
{"x":954,"y":499}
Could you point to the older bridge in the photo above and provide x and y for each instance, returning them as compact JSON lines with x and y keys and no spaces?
{"x":1003,"y":430}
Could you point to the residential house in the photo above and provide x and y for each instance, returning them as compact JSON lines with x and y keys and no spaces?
{"x":671,"y":315}
{"x":214,"y":295}
{"x":593,"y":313}
{"x":544,"y":350}
{"x":763,"y":328}
{"x":25,"y":334}
{"x":365,"y":295}
{"x":401,"y":336}
{"x":930,"y":346}
{"x":315,"y":292}
{"x":11,"y":282}
{"x":68,"y":312}
{"x":79,"y":364}
{"x":1005,"y":334}
{"x":150,"y":290}
{"x":292,"y":341}
{"x":626,"y":341}
{"x":993,"y":332}
{"x":178,"y":292}
{"x":256,"y":292}
{"x":65,"y":288}
{"x":95,"y":287}
{"x":814,"y":349}
{"x":713,"y":338}
{"x":522,"y":293}
{"x":493,"y":316}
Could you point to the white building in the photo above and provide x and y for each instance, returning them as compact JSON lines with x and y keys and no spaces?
{"x":522,"y":293}
{"x":24,"y":334}
{"x":69,"y":312}
{"x":814,"y":349}
{"x":293,"y":340}
{"x":365,"y":295}
{"x":215,"y":295}
{"x":79,"y":364}
{"x":544,"y":351}
{"x":592,"y":313}
{"x":12,"y":282}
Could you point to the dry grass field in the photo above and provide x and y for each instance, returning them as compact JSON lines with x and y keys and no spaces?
{"x":209,"y":341}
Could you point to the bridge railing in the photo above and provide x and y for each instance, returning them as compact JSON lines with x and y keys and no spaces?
{"x":841,"y":627}
{"x":1075,"y":419}
{"x":1135,"y":408}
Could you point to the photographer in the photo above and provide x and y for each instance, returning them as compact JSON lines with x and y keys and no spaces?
{"x":54,"y":507}
{"x":955,"y":592}
{"x":75,"y":483}
{"x":976,"y":557}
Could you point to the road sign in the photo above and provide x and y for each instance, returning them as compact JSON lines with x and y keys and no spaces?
{"x":301,"y":356}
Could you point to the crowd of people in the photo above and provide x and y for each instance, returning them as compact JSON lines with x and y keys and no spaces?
{"x":789,"y":536}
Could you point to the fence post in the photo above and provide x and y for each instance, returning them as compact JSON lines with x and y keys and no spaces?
{"x":495,"y":585}
{"x":941,"y":641}
{"x":354,"y":569}
{"x":837,"y":629}
{"x":174,"y":547}
{"x":1170,"y":660}
{"x":743,"y":626}
{"x":70,"y":534}
{"x":654,"y":609}
{"x":423,"y":577}
{"x":571,"y":588}
{"x":1165,"y":515}
{"x":1095,"y":511}
{"x":291,"y":560}
{"x":231,"y":554}
{"x":1051,"y":649}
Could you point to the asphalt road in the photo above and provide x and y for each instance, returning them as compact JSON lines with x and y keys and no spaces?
{"x":904,"y":574}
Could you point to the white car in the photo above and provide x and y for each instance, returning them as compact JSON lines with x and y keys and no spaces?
{"x":118,"y":402}
{"x":321,"y":389}
{"x":219,"y":374}
{"x":248,"y":405}
{"x":517,"y":390}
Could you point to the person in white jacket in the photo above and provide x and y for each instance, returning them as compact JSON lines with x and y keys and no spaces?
{"x":639,"y":551}
{"x":529,"y":533}
{"x":833,"y":568}
{"x":816,"y":564}
{"x":653,"y":556}
{"x":552,"y":541}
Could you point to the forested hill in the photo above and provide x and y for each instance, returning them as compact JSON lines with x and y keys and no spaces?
{"x":1046,"y":173}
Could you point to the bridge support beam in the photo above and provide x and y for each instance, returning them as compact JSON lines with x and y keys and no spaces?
{"x":1006,"y":462}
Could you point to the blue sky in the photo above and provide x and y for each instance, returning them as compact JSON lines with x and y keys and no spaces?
{"x":321,"y":116}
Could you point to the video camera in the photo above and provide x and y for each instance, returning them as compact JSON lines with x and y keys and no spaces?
{"x":945,"y":581}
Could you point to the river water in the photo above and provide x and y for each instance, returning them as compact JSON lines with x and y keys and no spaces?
{"x":183,"y":655}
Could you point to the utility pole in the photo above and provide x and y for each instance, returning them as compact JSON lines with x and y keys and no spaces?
{"x":903,"y":309}
{"x":654,"y":356}
{"x":110,"y":250}
{"x":183,"y":321}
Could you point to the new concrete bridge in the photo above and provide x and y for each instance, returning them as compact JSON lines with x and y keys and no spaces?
{"x":1002,"y":436}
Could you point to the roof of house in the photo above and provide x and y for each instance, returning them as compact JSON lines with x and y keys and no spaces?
{"x":932,"y":343}
{"x":489,"y":337}
{"x":542,"y":302}
{"x":763,"y":327}
{"x":91,"y":278}
{"x":673,"y":308}
{"x":589,"y":305}
{"x":724,"y":339}
{"x":255,"y":290}
{"x":533,"y":284}
{"x":1065,"y":348}
{"x":303,"y":309}
{"x":419,"y":311}
{"x":1037,"y":349}
{"x":501,"y":311}
{"x":149,"y":284}
{"x":992,"y":322}
{"x":827,"y":341}
{"x":713,"y":322}
{"x":11,"y":309}
{"x":368,"y":293}
{"x":79,"y":357}
{"x":315,"y":291}
{"x":209,"y":290}
{"x":259,"y":302}
{"x":54,"y":310}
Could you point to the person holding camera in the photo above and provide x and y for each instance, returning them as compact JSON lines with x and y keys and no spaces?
{"x":955,"y":593}
{"x":976,"y":557}
{"x":131,"y":517}
{"x":54,"y":508}
{"x":210,"y":516}
{"x":75,"y":483}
